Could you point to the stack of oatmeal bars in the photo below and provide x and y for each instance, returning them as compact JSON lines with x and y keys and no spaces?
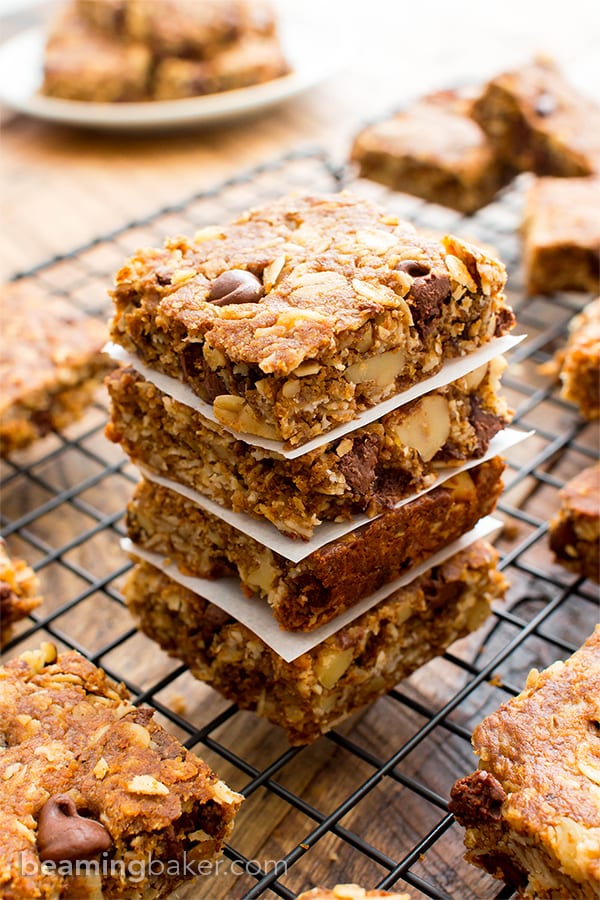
{"x":311,"y":395}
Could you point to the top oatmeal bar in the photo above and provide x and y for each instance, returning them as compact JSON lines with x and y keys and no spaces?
{"x":300,"y":314}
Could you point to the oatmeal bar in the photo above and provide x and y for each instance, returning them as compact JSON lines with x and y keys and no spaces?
{"x":88,"y":777}
{"x":366,"y":471}
{"x":349,"y":892}
{"x":436,"y":150}
{"x":532,"y":810}
{"x":538,"y":122}
{"x":302,"y":313}
{"x":575,"y":530}
{"x":18,"y":591}
{"x":353,"y":667}
{"x":562,"y":235}
{"x":313,"y":591}
{"x":81,"y":63}
{"x":251,"y":60}
{"x":181,"y":28}
{"x":51,"y":363}
{"x":579,"y":362}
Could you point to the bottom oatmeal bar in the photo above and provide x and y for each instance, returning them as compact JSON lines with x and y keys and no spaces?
{"x":18,"y":592}
{"x":94,"y":789}
{"x":575,"y":529}
{"x":353,"y":667}
{"x":310,"y":593}
{"x":532,"y":810}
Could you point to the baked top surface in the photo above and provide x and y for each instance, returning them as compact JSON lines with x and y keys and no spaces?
{"x":581,"y":495}
{"x":544,"y":749}
{"x":67,"y":727}
{"x":564,"y":210}
{"x":437,"y":129}
{"x":329,"y":265}
{"x":551,"y":106}
{"x":44,"y":342}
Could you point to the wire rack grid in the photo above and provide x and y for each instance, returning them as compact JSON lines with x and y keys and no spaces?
{"x":367,"y":802}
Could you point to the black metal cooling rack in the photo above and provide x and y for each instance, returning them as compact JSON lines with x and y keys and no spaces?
{"x":367,"y":802}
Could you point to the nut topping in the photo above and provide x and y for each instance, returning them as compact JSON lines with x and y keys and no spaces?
{"x":64,"y":835}
{"x":235,"y":286}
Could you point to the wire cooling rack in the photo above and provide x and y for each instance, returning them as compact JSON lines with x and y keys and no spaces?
{"x":367,"y":802}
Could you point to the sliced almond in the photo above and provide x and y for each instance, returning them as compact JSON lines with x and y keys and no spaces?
{"x":427,"y":426}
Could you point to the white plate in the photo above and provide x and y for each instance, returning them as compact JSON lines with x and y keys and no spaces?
{"x":21,"y":67}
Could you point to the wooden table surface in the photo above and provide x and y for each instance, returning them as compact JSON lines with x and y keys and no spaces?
{"x":62,"y":186}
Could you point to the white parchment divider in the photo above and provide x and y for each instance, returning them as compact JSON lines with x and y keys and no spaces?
{"x":256,"y":614}
{"x":295,"y":549}
{"x":450,"y":371}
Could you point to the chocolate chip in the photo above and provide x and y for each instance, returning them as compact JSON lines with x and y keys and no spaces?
{"x":477,"y":799}
{"x":208,"y":384}
{"x":546,"y":104}
{"x":414,"y":267}
{"x":163,"y":277}
{"x":235,"y":286}
{"x":428,"y":292}
{"x":486,"y":425}
{"x":358,"y":465}
{"x":65,"y":835}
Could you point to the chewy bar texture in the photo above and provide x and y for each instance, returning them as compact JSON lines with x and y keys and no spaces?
{"x":132,"y":50}
{"x":537,"y":122}
{"x":310,"y":593}
{"x":50,"y":364}
{"x":367,"y":471}
{"x":579,"y":362}
{"x":353,"y":667}
{"x":73,"y":744}
{"x":562,"y":235}
{"x":300,"y":314}
{"x":18,"y":591}
{"x":435,"y":150}
{"x":575,"y":529}
{"x":532,"y":810}
{"x":350,"y":892}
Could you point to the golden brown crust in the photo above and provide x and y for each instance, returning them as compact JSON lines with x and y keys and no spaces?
{"x":68,"y":729}
{"x":50,"y":364}
{"x":574,"y":531}
{"x":353,"y":667}
{"x":543,"y":751}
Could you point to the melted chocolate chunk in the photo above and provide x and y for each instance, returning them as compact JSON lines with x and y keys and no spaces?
{"x":208,"y":384}
{"x":65,"y":835}
{"x":428,"y":292}
{"x":414,"y":267}
{"x":477,"y":798}
{"x":505,"y":320}
{"x":486,"y":425}
{"x":358,"y":465}
{"x":236,"y":286}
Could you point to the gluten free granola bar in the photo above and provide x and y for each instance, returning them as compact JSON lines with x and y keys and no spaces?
{"x":537,"y":122}
{"x":532,"y":810}
{"x":436,"y":150}
{"x":87,"y":776}
{"x":18,"y":591}
{"x":367,"y":471}
{"x":312,"y":592}
{"x":50,"y":364}
{"x":574,"y":531}
{"x":562,"y":235}
{"x":353,"y":667}
{"x":300,"y":314}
